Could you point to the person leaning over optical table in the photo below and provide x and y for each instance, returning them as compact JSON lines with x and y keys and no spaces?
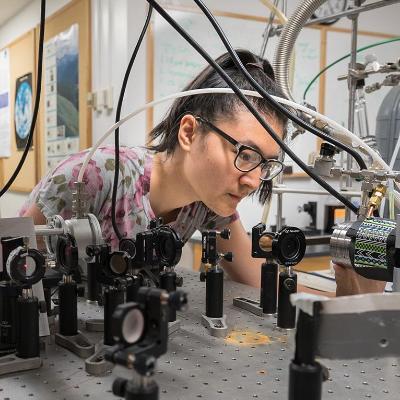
{"x":211,"y":152}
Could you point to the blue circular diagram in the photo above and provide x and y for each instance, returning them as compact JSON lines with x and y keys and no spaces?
{"x":23,"y":110}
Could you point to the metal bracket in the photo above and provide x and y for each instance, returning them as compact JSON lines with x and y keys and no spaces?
{"x":248,"y":305}
{"x":12,"y":363}
{"x":174,"y":326}
{"x":216,"y":326}
{"x":78,"y":344}
{"x":96,"y":364}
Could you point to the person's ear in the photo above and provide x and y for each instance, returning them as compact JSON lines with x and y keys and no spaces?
{"x":187,"y":132}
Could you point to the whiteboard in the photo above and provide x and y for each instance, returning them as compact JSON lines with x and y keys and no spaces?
{"x":336,"y":96}
{"x":176,"y":63}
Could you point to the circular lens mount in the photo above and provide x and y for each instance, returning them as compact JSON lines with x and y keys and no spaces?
{"x":289,"y":246}
{"x":26,"y":266}
{"x":169,"y":246}
{"x":119,"y":263}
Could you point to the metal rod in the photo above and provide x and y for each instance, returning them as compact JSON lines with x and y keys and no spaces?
{"x":352,"y":84}
{"x":44,"y":230}
{"x":279,"y":212}
{"x":280,"y":190}
{"x":353,"y":11}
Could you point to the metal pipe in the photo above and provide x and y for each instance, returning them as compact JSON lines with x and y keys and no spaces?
{"x":280,"y":190}
{"x":44,"y":230}
{"x":279,"y":212}
{"x":352,"y":85}
{"x":287,"y":40}
{"x":353,"y":11}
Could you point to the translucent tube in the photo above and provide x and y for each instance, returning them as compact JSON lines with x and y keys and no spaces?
{"x":339,"y":132}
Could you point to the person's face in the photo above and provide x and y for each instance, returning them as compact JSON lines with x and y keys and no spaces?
{"x":209,"y":162}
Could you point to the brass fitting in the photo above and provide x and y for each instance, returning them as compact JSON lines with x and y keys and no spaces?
{"x":376,"y":198}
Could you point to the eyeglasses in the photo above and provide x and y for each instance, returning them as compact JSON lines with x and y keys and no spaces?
{"x":248,"y":158}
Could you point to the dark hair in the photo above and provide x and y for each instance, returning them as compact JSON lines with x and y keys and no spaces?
{"x":214,"y":106}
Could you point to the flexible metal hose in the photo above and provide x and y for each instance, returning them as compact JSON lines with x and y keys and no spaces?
{"x":287,"y":40}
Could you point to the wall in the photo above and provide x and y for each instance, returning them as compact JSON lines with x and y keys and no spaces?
{"x":115,"y":28}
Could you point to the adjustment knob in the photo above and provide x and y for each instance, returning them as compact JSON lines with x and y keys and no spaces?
{"x":228,"y":256}
{"x":225,"y":234}
{"x":289,"y":284}
{"x":179,"y":281}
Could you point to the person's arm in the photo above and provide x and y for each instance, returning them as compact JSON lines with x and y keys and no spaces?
{"x":244,"y":268}
{"x":348,"y":282}
{"x":38,"y":219}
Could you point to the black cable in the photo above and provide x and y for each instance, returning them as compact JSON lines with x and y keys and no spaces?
{"x":37,"y":100}
{"x":277,"y":106}
{"x":250,"y":107}
{"x":117,"y":118}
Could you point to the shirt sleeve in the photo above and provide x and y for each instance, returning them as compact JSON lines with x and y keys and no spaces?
{"x":53,"y":194}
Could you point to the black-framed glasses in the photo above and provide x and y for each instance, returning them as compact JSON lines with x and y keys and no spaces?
{"x":248,"y":158}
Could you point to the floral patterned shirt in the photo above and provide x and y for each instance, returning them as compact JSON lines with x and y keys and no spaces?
{"x":133,"y":210}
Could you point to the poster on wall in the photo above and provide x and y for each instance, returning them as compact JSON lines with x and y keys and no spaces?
{"x":61,"y":96}
{"x":5,"y":117}
{"x":23,"y":109}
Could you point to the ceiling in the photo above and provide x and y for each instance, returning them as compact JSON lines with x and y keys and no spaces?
{"x":10,"y":8}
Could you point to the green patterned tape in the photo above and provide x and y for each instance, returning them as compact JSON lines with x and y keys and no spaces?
{"x":371,"y":241}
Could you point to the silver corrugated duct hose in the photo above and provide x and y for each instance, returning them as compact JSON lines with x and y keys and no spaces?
{"x":287,"y":40}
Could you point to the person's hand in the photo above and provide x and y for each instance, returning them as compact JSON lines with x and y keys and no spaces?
{"x":348,"y":282}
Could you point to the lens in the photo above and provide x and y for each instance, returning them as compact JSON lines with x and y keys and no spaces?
{"x":26,"y":266}
{"x":290,"y":246}
{"x":118,"y":263}
{"x":265,"y":243}
{"x":132,"y":326}
{"x":271,"y":169}
{"x":167,"y":247}
{"x":247,"y":160}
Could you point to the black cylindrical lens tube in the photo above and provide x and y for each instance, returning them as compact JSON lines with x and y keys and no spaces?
{"x":27,"y":327}
{"x":286,"y":312}
{"x":168,"y":282}
{"x":215,"y":293}
{"x":93,"y":285}
{"x":112,"y":298}
{"x":269,"y":287}
{"x":68,"y":303}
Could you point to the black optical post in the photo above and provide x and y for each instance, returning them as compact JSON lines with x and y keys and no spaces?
{"x":111,"y":271}
{"x":286,"y":311}
{"x":169,"y":253}
{"x":268,"y":293}
{"x":214,"y":319}
{"x":68,"y":335}
{"x":306,"y":375}
{"x":285,"y":248}
{"x":24,"y":268}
